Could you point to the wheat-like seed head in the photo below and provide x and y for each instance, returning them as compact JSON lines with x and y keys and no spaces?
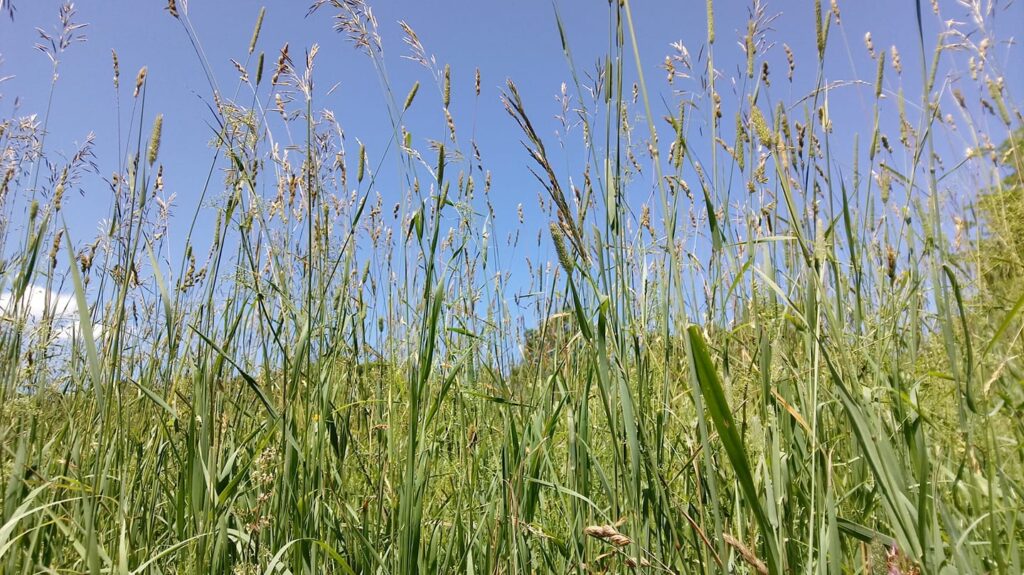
{"x":154,"y":139}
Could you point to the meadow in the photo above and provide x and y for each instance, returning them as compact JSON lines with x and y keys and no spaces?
{"x":743,"y":351}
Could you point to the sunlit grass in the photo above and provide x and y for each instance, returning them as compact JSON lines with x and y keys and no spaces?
{"x":782,"y":361}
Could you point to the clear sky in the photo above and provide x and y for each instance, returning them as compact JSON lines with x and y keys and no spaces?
{"x":509,"y":39}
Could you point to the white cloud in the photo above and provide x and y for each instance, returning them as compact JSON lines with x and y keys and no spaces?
{"x":38,"y":303}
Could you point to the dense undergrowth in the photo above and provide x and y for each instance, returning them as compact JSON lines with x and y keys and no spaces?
{"x":746,"y":354}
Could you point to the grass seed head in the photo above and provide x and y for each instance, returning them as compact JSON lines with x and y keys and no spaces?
{"x":8,"y":176}
{"x":564,"y":257}
{"x":879,"y":75}
{"x":447,"y":85}
{"x":361,"y":167}
{"x":256,"y":30}
{"x":58,"y":192}
{"x":55,"y":247}
{"x":789,"y":60}
{"x":154,"y":139}
{"x":283,"y":63}
{"x":140,"y":79}
{"x":117,"y":69}
{"x":711,"y":22}
{"x":764,"y":133}
{"x":412,"y":94}
{"x":819,"y":31}
{"x":608,"y":534}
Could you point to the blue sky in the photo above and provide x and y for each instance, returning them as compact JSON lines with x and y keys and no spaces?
{"x":517,"y":40}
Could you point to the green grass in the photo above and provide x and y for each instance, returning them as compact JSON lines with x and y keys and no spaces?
{"x":816,"y":374}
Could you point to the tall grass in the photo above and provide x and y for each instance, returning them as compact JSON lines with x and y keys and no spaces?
{"x":745,"y":353}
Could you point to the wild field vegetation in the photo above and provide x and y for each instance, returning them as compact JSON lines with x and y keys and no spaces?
{"x":746,"y":354}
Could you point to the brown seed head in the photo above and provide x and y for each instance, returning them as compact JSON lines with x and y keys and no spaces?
{"x":608,"y":534}
{"x":789,"y":60}
{"x":140,"y":79}
{"x":117,"y":70}
{"x":619,"y":540}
